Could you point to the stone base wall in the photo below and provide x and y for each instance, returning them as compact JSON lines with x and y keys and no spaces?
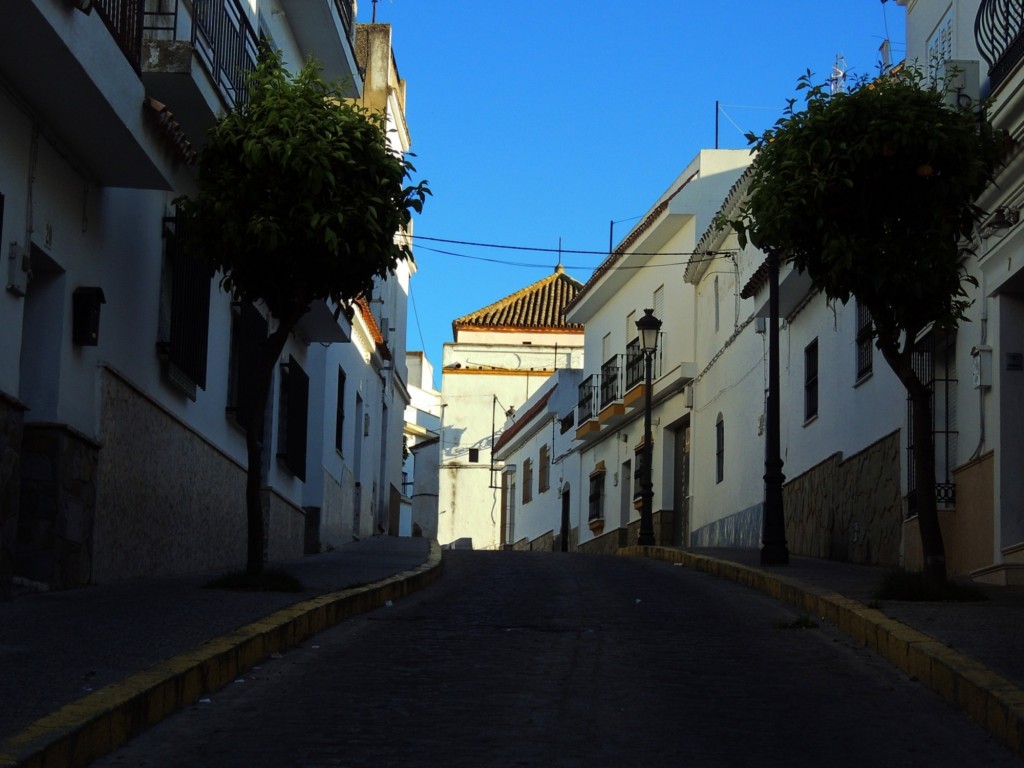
{"x":849,"y":510}
{"x":336,"y":515}
{"x":742,"y":530}
{"x":168,"y":501}
{"x":285,"y":526}
{"x":11,"y":421}
{"x":57,"y":506}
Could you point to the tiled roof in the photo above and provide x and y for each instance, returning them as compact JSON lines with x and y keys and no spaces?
{"x":540,"y":306}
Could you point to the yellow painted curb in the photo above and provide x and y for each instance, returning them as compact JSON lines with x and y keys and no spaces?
{"x":990,"y":700}
{"x":81,"y":732}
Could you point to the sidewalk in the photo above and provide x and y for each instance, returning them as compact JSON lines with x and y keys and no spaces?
{"x":58,"y":647}
{"x":972,"y":654}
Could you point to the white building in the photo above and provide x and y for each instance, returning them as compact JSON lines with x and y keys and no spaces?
{"x":841,"y":411}
{"x":122,"y":365}
{"x":422,"y":440}
{"x":644,"y":272}
{"x":980,"y":374}
{"x":500,"y":356}
{"x":540,"y":468}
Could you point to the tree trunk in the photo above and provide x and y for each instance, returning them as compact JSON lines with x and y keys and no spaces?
{"x":932,"y":546}
{"x":270,"y":353}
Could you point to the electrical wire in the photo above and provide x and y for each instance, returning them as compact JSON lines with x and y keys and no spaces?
{"x":711,"y":255}
{"x":536,"y":249}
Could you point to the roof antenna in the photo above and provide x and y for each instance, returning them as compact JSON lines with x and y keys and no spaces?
{"x":374,"y":21}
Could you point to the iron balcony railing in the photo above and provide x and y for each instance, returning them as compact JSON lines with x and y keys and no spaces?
{"x":124,"y":20}
{"x":635,"y":362}
{"x":588,"y":399}
{"x":220,"y":34}
{"x":999,"y":33}
{"x":611,"y":379}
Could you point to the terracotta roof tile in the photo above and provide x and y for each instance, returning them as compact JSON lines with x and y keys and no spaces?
{"x":540,"y":306}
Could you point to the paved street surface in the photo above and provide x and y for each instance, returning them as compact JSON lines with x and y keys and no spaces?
{"x":543,"y":659}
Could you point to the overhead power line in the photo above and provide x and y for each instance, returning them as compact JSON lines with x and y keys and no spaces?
{"x":536,"y":249}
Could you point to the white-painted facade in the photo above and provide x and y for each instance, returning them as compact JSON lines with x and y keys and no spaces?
{"x":986,"y":527}
{"x":126,"y":463}
{"x":485,"y":376}
{"x":645,"y":272}
{"x":540,"y":465}
{"x":422,"y":436}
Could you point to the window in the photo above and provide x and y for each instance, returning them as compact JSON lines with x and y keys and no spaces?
{"x":638,"y":474}
{"x":934,"y":362}
{"x":339,"y":413}
{"x":293,"y":409}
{"x":717,"y":308}
{"x":630,"y":326}
{"x":659,"y":302}
{"x":597,"y":495}
{"x":544,"y":470}
{"x":606,"y":346}
{"x":940,"y":47}
{"x":865,"y":337}
{"x":248,"y":332}
{"x":474,"y":455}
{"x":568,"y":422}
{"x":184,"y":312}
{"x":527,"y":480}
{"x":719,"y":449}
{"x":811,"y":380}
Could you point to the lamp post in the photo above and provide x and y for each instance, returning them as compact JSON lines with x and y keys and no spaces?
{"x":648,"y":326}
{"x":774,"y":551}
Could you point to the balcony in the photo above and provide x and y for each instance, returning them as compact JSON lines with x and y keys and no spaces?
{"x":196,"y":58}
{"x":586,"y":407}
{"x":635,"y":371}
{"x":77,"y":74}
{"x":325,"y":29}
{"x":612,"y":373}
{"x":999,"y":33}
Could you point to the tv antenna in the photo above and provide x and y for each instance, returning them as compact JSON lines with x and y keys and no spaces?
{"x":837,"y":80}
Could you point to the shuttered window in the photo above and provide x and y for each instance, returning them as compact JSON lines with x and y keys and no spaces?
{"x":190,"y":309}
{"x":248,"y":333}
{"x":292,"y":418}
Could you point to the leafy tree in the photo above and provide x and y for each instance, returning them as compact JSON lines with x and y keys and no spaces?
{"x":299,"y":200}
{"x":872,"y":193}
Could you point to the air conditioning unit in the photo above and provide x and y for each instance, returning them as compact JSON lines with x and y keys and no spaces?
{"x":964,"y":86}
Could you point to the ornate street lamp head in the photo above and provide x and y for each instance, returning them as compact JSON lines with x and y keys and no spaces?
{"x":648,"y":326}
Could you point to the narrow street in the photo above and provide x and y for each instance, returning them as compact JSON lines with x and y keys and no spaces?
{"x":543,"y":659}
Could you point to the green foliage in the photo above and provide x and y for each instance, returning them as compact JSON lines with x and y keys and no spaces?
{"x":299,"y":197}
{"x":872,"y":192}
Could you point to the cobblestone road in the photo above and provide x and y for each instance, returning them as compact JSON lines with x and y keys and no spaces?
{"x":543,"y":659}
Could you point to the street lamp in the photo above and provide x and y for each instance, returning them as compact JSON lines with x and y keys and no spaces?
{"x":774,"y":550}
{"x":648,"y":326}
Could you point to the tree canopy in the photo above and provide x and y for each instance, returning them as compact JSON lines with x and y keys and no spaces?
{"x":299,"y":199}
{"x":299,"y":196}
{"x":872,"y":193}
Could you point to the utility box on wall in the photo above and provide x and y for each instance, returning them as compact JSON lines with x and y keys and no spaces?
{"x":85,"y":320}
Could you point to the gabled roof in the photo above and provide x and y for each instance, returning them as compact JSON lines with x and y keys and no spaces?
{"x":540,"y":306}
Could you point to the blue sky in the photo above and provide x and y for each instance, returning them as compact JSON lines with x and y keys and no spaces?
{"x":534,"y":121}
